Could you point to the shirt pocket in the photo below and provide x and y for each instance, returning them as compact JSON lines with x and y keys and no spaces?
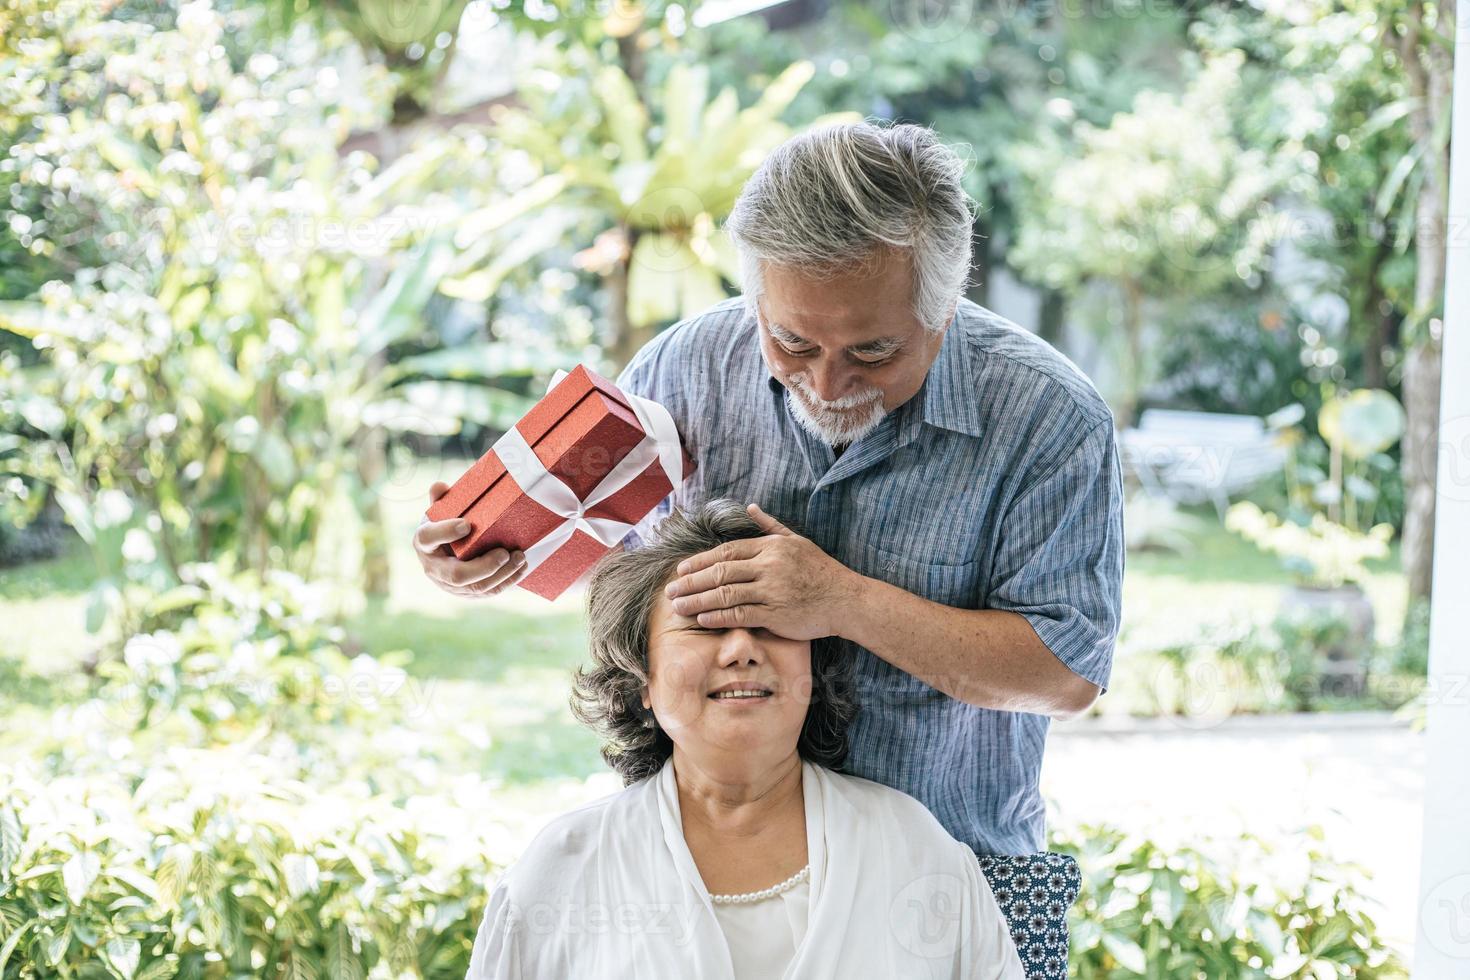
{"x":937,"y":525}
{"x":945,"y":582}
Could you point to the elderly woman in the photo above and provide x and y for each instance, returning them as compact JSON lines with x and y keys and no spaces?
{"x":735,"y":850}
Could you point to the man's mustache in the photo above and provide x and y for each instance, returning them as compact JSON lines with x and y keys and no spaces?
{"x":846,"y":402}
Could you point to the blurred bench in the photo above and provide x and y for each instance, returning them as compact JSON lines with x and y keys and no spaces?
{"x":1193,"y":457}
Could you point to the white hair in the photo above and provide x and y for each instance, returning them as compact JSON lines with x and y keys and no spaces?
{"x":843,"y":195}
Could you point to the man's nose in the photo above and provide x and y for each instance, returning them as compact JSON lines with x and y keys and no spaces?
{"x":828,"y":381}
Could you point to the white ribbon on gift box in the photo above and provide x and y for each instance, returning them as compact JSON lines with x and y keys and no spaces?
{"x":660,"y":442}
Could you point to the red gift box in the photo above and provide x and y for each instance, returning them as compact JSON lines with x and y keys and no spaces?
{"x":579,"y":431}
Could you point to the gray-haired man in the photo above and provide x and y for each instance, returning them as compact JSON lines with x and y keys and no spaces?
{"x":959,"y":479}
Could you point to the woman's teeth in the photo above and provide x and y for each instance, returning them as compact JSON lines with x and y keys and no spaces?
{"x":741,"y":694}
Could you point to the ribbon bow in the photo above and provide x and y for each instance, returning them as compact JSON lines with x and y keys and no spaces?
{"x":660,"y":442}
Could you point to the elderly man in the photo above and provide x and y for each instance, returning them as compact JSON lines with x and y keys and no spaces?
{"x":957,"y":476}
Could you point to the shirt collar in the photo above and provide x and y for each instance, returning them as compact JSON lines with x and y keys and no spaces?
{"x":949,"y":398}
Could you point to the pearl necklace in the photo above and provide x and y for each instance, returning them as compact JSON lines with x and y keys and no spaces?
{"x":773,"y":891}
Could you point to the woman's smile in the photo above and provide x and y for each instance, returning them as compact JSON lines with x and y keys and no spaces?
{"x":742,"y":692}
{"x":741,"y":697}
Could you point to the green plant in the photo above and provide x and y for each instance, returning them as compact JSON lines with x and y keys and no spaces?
{"x":233,"y":796}
{"x":211,"y":863}
{"x":1324,"y":554}
{"x":1291,"y":662}
{"x":1238,"y":353}
{"x":219,"y":378}
{"x":1245,"y":908}
{"x":1411,"y":654}
{"x":1358,"y":93}
{"x":1300,"y":644}
{"x":1202,"y":677}
{"x":227,"y":653}
{"x":661,"y":189}
{"x":1358,"y":427}
{"x":1165,"y":200}
{"x":1328,"y":532}
{"x":21,"y":500}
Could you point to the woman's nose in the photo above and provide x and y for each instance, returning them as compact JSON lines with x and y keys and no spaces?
{"x":740,"y":644}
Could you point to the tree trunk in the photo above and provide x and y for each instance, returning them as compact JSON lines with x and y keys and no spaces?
{"x":1428,"y":68}
{"x":630,"y":54}
{"x":1380,"y":325}
{"x":1052,"y":325}
{"x":1419,"y":462}
{"x":624,"y":340}
{"x":374,"y":463}
{"x":372,"y":466}
{"x":1131,"y":372}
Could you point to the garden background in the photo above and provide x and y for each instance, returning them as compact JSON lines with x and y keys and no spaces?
{"x":269,"y":268}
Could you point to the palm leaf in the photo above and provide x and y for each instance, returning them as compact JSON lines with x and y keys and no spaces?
{"x":494,"y":408}
{"x":481,"y":362}
{"x":685,"y":93}
{"x":1394,"y":182}
{"x":627,"y":120}
{"x":394,"y":311}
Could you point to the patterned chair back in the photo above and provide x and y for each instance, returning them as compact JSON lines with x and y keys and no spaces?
{"x":1034,"y":892}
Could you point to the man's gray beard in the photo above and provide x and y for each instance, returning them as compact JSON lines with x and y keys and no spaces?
{"x":843,"y":435}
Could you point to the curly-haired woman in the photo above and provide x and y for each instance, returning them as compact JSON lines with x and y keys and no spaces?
{"x":736,"y":849}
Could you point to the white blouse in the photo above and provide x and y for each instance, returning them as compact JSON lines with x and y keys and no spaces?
{"x":610,"y":890}
{"x":763,"y":935}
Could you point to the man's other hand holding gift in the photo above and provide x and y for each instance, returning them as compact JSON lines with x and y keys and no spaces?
{"x":490,"y":574}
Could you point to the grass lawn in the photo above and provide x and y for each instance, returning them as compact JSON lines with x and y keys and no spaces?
{"x":43,"y":612}
{"x":499,"y":667}
{"x":1168,"y":597}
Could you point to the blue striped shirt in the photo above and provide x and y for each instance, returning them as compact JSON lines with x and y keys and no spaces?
{"x":997,"y":486}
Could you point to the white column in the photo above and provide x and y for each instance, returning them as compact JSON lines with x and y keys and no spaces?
{"x":1442,"y":944}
